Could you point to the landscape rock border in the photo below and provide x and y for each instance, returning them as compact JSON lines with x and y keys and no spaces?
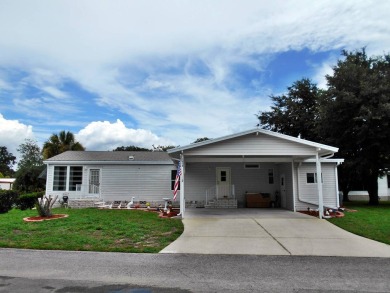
{"x":41,"y":219}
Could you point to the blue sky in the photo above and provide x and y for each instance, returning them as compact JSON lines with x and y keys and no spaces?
{"x":120,"y":73}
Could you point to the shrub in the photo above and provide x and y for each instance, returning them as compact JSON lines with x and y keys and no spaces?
{"x":7,"y":200}
{"x":28,"y":201}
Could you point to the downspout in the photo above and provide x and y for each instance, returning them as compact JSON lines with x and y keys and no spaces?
{"x":319,"y":185}
{"x":337,"y":185}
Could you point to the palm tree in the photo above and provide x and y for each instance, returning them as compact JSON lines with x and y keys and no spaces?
{"x":59,"y":143}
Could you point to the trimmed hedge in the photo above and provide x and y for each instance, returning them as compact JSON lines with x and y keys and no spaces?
{"x":7,"y":200}
{"x":28,"y":200}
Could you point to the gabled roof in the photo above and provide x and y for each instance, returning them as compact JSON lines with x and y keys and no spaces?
{"x":104,"y":157}
{"x":327,"y":148}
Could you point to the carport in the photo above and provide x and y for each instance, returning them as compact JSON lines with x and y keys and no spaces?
{"x":223,"y":172}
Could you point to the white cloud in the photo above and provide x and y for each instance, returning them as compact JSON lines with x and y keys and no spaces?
{"x":103,"y":135}
{"x":130,"y":54}
{"x":13,"y":133}
{"x":4,"y":85}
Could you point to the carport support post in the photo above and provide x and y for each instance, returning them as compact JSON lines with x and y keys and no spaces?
{"x":182,"y":202}
{"x":319,"y":186}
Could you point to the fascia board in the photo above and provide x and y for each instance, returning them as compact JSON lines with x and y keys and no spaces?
{"x":107,"y":163}
{"x":323,"y":160}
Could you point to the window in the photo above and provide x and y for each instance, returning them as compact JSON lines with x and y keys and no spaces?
{"x":252,"y":166}
{"x":75,"y":177}
{"x":388,"y":180}
{"x":59,"y":182}
{"x":271,"y":176}
{"x":173,"y":178}
{"x":223,"y":176}
{"x":312,"y":178}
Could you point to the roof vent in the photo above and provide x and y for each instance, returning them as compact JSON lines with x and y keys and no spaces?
{"x":131,"y":158}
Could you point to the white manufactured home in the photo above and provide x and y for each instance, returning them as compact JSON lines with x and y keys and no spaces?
{"x":255,"y":168}
{"x":110,"y":175}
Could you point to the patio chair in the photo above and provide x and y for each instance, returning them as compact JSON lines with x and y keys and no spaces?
{"x":116,"y":204}
{"x":104,"y":205}
{"x":123,"y":204}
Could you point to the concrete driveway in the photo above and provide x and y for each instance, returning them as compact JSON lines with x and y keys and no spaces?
{"x":268,"y":232}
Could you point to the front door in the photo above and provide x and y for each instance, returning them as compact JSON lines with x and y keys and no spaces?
{"x":283,"y":191}
{"x":94,"y":181}
{"x":223,"y":186}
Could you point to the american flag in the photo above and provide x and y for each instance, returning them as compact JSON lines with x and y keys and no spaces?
{"x":177,"y":181}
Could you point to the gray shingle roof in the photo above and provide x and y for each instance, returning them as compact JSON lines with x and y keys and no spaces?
{"x":102,"y":156}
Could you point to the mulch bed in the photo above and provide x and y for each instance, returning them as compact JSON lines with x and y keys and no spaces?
{"x":40,"y":219}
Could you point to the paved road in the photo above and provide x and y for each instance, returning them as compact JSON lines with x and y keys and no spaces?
{"x":60,"y":271}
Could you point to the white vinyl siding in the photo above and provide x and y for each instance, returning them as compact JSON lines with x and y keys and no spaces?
{"x":144,"y":182}
{"x":308,"y":192}
{"x":253,"y":144}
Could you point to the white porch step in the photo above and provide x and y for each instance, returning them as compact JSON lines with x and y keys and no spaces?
{"x":225,"y":203}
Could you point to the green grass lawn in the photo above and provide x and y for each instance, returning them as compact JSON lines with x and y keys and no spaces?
{"x":372,"y":222}
{"x":90,"y":230}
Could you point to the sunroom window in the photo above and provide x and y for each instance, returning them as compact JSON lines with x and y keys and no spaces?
{"x":59,"y":182}
{"x":75,"y":177}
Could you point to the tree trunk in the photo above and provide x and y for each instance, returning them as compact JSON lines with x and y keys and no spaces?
{"x":45,"y":204}
{"x":372,"y":188}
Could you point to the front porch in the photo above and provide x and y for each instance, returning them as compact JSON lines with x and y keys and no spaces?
{"x":234,"y":185}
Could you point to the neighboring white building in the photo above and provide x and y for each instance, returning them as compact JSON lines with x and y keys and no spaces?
{"x":6,"y":183}
{"x":221,"y":172}
{"x":384,"y":187}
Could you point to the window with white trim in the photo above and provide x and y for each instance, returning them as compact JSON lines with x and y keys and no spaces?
{"x":67,"y":178}
{"x":173,"y":179}
{"x":59,"y":180}
{"x":312,"y":178}
{"x":270,"y":176}
{"x":75,"y":177}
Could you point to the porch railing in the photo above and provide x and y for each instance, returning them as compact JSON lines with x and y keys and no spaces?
{"x":88,"y":190}
{"x":220,"y":191}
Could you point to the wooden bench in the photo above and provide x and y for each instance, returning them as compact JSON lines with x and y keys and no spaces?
{"x":257,"y":200}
